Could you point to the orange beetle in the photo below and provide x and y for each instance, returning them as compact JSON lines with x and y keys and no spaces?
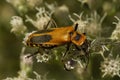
{"x":56,"y":37}
{"x":53,"y":37}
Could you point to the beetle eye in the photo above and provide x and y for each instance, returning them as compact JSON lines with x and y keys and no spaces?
{"x":77,"y":37}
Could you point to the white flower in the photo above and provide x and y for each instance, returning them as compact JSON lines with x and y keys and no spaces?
{"x":90,"y":25}
{"x":95,"y":25}
{"x":80,"y":67}
{"x":81,"y":23}
{"x":43,"y":57}
{"x":17,"y":24}
{"x":52,"y":7}
{"x":43,"y":17}
{"x":116,"y":32}
{"x":98,"y":47}
{"x":111,"y":66}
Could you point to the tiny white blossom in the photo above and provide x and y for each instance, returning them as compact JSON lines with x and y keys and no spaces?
{"x":81,"y":23}
{"x":90,"y":25}
{"x":17,"y":24}
{"x":43,"y":57}
{"x":25,"y":67}
{"x":98,"y":47}
{"x":52,"y":7}
{"x":95,"y":24}
{"x":110,"y":66}
{"x":80,"y":68}
{"x":43,"y":17}
{"x":104,"y":48}
{"x":26,"y":63}
{"x":116,"y":32}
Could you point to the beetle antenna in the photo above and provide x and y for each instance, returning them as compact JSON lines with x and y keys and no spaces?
{"x":47,"y":25}
{"x":87,"y":62}
{"x":51,"y":21}
{"x":54,"y":23}
{"x":76,"y":26}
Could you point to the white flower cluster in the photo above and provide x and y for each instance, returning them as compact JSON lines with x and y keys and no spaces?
{"x":43,"y":57}
{"x":52,"y":7}
{"x":111,"y":66}
{"x":116,"y":33}
{"x":81,"y":23}
{"x":95,"y":25}
{"x":17,"y":24}
{"x":80,"y":68}
{"x":91,"y":25}
{"x":43,"y":17}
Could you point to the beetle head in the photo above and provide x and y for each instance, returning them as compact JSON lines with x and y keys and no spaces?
{"x":78,"y":38}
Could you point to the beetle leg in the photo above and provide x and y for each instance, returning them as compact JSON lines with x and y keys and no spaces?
{"x":49,"y":23}
{"x":66,"y":52}
{"x":31,"y":55}
{"x":35,"y":53}
{"x":84,"y":48}
{"x":54,"y":23}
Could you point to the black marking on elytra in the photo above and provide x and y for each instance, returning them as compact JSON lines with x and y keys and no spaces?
{"x":77,"y":37}
{"x":40,"y":39}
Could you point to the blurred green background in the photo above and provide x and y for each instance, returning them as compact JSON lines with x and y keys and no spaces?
{"x":10,"y":44}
